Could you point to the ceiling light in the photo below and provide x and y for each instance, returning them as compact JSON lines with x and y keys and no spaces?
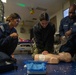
{"x":4,"y":17}
{"x":21,"y":4}
{"x":4,"y":1}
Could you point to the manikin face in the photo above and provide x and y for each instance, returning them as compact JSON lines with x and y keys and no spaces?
{"x":44,"y":23}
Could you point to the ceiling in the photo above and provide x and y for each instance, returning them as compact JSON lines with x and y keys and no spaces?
{"x":23,"y":7}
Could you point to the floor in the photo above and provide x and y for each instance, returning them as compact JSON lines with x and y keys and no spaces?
{"x":60,"y":69}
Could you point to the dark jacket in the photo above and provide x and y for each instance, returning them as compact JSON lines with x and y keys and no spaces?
{"x":66,"y":24}
{"x":7,"y":43}
{"x":44,"y":37}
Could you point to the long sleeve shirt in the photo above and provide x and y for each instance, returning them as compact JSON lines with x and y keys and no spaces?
{"x":67,"y":24}
{"x":5,"y":32}
{"x":44,"y":37}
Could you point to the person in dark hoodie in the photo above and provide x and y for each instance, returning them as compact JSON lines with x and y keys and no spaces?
{"x":8,"y":34}
{"x":43,"y":33}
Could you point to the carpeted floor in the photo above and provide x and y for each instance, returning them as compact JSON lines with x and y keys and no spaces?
{"x":60,"y":69}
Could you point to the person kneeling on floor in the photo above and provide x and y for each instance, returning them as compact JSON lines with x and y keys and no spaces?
{"x":8,"y":34}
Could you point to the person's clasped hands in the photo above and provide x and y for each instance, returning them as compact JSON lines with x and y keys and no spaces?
{"x":14,"y":35}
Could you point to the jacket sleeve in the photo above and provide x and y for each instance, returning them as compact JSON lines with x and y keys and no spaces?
{"x":4,"y":39}
{"x":74,"y":29}
{"x":38,"y":38}
{"x":61,"y":31}
{"x":50,"y":40}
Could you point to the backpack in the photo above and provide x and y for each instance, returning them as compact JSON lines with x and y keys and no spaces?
{"x":7,"y":63}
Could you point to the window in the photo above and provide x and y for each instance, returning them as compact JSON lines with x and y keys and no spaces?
{"x":4,"y":1}
{"x":66,"y":12}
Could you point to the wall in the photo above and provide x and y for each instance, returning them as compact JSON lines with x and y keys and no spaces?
{"x":26,"y":34}
{"x":72,"y":1}
{"x":59,"y":14}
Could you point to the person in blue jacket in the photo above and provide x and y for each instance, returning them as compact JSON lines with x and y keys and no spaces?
{"x":8,"y":34}
{"x":43,"y":33}
{"x":67,"y":31}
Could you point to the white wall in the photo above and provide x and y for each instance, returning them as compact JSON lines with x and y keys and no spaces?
{"x":59,"y":14}
{"x":26,"y":34}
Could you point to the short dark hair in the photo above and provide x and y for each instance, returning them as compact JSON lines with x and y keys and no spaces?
{"x":73,"y":6}
{"x":44,"y":16}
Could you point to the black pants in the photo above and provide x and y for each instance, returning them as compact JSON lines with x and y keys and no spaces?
{"x":9,"y":47}
{"x":70,"y":46}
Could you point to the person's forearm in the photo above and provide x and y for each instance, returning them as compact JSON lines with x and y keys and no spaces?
{"x":5,"y":41}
